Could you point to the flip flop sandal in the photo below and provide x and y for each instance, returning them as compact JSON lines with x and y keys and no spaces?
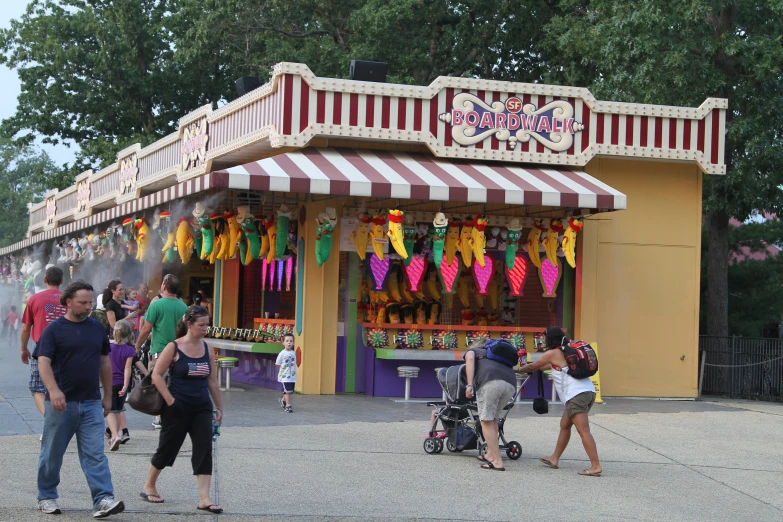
{"x":588,"y":473}
{"x":209,"y":508}
{"x":482,"y":459}
{"x":489,"y":465}
{"x":548,"y":463}
{"x":146,"y":498}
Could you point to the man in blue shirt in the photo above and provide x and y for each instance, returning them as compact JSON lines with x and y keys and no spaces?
{"x":73,"y":354}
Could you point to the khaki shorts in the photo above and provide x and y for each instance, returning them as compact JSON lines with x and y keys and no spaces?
{"x":492,"y":397}
{"x":152,"y":361}
{"x":581,"y":403}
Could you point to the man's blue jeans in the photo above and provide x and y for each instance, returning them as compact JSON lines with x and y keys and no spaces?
{"x":85,"y":420}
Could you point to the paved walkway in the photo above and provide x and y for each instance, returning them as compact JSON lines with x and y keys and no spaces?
{"x":361,"y":458}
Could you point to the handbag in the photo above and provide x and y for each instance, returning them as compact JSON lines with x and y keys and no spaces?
{"x":540,"y":405}
{"x":146,"y":398}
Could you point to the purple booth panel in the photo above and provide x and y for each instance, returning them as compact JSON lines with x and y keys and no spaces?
{"x":389,"y":384}
{"x":257,"y":369}
{"x":339,"y":382}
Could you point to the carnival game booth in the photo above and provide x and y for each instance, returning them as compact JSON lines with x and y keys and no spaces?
{"x":407,"y":221}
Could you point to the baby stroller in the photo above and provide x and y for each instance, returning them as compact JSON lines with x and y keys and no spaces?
{"x":459,"y":417}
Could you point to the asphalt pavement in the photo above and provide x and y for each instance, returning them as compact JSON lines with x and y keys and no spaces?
{"x":350,"y":457}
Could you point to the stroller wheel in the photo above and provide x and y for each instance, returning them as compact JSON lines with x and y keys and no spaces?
{"x":482,"y":450}
{"x":430,"y":445}
{"x":514,"y":450}
{"x":438,"y":445}
{"x":452,"y":447}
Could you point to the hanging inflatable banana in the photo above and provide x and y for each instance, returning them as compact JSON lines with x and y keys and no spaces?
{"x":463,"y":291}
{"x":377,"y":235}
{"x":452,"y":240}
{"x":569,"y":239}
{"x":533,"y":244}
{"x":409,"y":237}
{"x":393,"y":284}
{"x":263,"y":225}
{"x":271,"y":234}
{"x":283,"y":220}
{"x":494,"y":287}
{"x":395,"y":232}
{"x":234,"y":231}
{"x":406,"y":294}
{"x":184,"y":240}
{"x":361,"y":234}
{"x":143,"y":238}
{"x":432,"y":282}
{"x":252,"y":245}
{"x":440,"y":224}
{"x":512,"y":242}
{"x":551,"y":240}
{"x":479,"y":240}
{"x":167,"y":235}
{"x":465,"y":246}
{"x":222,"y":235}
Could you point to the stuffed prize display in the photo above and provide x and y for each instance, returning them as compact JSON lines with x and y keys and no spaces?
{"x":361,"y":234}
{"x":478,"y":239}
{"x":512,"y":237}
{"x":185,"y":240}
{"x":271,"y":235}
{"x":440,"y":225}
{"x":465,"y":238}
{"x":452,"y":240}
{"x":551,"y":240}
{"x":395,"y":232}
{"x":234,"y":230}
{"x":569,"y":240}
{"x":252,"y":245}
{"x":323,"y":239}
{"x":143,"y":238}
{"x":377,"y":235}
{"x":167,"y":235}
{"x":222,"y":237}
{"x":206,"y":232}
{"x":283,"y":221}
{"x":262,"y":224}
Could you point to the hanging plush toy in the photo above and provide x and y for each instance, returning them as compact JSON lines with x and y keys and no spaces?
{"x":478,"y":239}
{"x":465,"y":246}
{"x":409,"y":237}
{"x":512,"y":240}
{"x":234,"y":231}
{"x":569,"y":239}
{"x":222,"y":236}
{"x":533,"y":243}
{"x":440,"y":224}
{"x":207,"y":234}
{"x":551,"y":240}
{"x":263,"y":224}
{"x":271,"y":234}
{"x":452,"y":240}
{"x":361,"y":234}
{"x":323,"y":241}
{"x":247,"y":222}
{"x":395,"y":232}
{"x":143,"y":238}
{"x":377,"y":235}
{"x":168,"y":236}
{"x":184,"y":240}
{"x":283,"y":220}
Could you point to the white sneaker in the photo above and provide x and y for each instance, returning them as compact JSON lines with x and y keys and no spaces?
{"x":40,"y":438}
{"x":49,"y":506}
{"x":156,"y":423}
{"x":114,"y":444}
{"x":108,"y":506}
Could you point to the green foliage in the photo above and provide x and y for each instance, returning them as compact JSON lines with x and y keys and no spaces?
{"x":25,"y":176}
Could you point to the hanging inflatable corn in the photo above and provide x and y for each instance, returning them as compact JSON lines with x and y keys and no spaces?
{"x":551,"y":240}
{"x":409,"y":237}
{"x":575,"y":225}
{"x":234,"y":231}
{"x":184,"y":240}
{"x":440,"y":224}
{"x":465,"y":246}
{"x":143,"y":238}
{"x":252,"y":246}
{"x":395,"y":232}
{"x":452,"y":240}
{"x":283,"y":220}
{"x":377,"y":235}
{"x":361,"y":234}
{"x":479,"y":239}
{"x":512,"y":241}
{"x":533,"y":244}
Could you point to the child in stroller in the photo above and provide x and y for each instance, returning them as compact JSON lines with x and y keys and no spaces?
{"x":459,"y":419}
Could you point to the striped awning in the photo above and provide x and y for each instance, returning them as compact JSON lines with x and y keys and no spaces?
{"x":401,"y":175}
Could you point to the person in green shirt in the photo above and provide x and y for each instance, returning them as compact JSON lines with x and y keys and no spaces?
{"x":161,"y":320}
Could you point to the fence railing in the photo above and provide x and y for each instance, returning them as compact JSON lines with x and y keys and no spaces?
{"x":742,"y":367}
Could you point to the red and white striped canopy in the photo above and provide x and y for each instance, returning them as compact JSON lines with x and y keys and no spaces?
{"x":416,"y":176}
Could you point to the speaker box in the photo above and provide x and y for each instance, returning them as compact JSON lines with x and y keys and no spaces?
{"x":245,"y":84}
{"x":365,"y":71}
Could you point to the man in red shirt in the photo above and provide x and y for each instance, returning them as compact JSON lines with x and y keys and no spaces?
{"x":42,"y":308}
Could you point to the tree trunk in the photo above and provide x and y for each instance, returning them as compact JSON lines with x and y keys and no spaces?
{"x":717,"y":304}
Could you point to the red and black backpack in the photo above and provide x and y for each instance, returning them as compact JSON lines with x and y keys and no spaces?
{"x":581,"y":359}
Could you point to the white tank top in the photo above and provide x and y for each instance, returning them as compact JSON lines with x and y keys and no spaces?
{"x":567,"y":387}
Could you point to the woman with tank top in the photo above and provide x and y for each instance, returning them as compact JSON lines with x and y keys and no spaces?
{"x":188,"y":410}
{"x":578,"y":395}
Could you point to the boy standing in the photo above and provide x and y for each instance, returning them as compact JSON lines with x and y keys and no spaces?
{"x":286,"y":376}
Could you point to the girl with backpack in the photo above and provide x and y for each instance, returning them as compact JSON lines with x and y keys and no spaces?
{"x":572,"y":364}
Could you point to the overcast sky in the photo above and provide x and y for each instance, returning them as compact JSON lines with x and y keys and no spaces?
{"x":10,"y":85}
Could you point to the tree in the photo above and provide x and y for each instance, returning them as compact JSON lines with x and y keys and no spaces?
{"x":679,"y":53}
{"x":105,"y":74}
{"x":25,"y":176}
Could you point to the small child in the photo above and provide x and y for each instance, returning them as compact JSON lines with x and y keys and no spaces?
{"x":11,"y":321}
{"x":122,"y":357}
{"x":286,"y":376}
{"x":131,"y":304}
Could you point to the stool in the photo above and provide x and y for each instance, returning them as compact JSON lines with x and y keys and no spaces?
{"x":226,"y":363}
{"x":408,"y":372}
{"x":437,"y":371}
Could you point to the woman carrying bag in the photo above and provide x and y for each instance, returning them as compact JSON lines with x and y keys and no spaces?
{"x":188,"y":409}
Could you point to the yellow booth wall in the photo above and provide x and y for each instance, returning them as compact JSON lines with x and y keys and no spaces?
{"x":638,"y":279}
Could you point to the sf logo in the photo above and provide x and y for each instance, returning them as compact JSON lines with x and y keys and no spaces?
{"x":513,"y":105}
